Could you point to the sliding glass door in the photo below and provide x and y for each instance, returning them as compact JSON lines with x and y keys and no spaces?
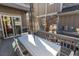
{"x":7,"y":26}
{"x":11,"y":26}
{"x":17,"y":25}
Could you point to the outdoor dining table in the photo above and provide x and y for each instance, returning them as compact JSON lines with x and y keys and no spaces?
{"x":37,"y":46}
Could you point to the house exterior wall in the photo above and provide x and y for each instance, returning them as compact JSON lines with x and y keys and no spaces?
{"x":14,"y":12}
{"x":40,"y":9}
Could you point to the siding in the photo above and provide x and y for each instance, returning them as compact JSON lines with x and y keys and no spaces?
{"x":41,"y":8}
{"x":14,"y":12}
{"x":35,"y":9}
{"x":70,"y":20}
{"x":53,"y":8}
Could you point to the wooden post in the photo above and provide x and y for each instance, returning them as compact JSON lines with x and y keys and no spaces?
{"x":58,"y":23}
{"x":61,"y":7}
{"x":45,"y":17}
{"x":31,"y":17}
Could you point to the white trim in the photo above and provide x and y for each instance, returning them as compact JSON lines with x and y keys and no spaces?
{"x":6,"y":14}
{"x":49,"y":14}
{"x":9,"y":37}
{"x":68,"y":13}
{"x":13,"y":26}
{"x":41,"y":15}
{"x":2,"y":26}
{"x":61,"y":7}
{"x":2,"y":13}
{"x":20,"y":25}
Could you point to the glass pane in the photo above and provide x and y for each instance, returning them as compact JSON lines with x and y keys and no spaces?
{"x":4,"y":26}
{"x":7,"y":26}
{"x":64,"y":44}
{"x":1,"y":33}
{"x":42,"y":23}
{"x":17,"y":25}
{"x":68,"y":45}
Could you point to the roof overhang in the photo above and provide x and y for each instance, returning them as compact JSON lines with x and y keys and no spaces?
{"x":20,"y":6}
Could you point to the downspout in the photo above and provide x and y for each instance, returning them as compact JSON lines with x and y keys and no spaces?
{"x":31,"y":16}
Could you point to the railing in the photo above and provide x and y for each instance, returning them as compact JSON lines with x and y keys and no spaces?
{"x":63,"y":40}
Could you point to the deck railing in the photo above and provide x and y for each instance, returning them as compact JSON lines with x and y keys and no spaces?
{"x":63,"y":40}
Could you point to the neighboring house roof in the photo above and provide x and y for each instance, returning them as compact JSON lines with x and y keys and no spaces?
{"x":72,"y":7}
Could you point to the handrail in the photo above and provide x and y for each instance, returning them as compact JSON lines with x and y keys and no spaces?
{"x":58,"y":37}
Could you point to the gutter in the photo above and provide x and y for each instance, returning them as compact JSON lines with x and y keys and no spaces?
{"x":19,"y":6}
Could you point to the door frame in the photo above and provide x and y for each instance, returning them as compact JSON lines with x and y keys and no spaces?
{"x":4,"y":14}
{"x":20,"y":25}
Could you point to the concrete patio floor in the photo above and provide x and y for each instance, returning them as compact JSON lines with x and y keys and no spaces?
{"x":6,"y":48}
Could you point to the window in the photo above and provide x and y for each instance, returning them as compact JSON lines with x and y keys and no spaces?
{"x":68,"y":45}
{"x":61,"y":43}
{"x":64,"y":44}
{"x":72,"y":47}
{"x":77,"y":48}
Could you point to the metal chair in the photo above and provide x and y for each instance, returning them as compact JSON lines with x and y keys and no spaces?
{"x":17,"y":48}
